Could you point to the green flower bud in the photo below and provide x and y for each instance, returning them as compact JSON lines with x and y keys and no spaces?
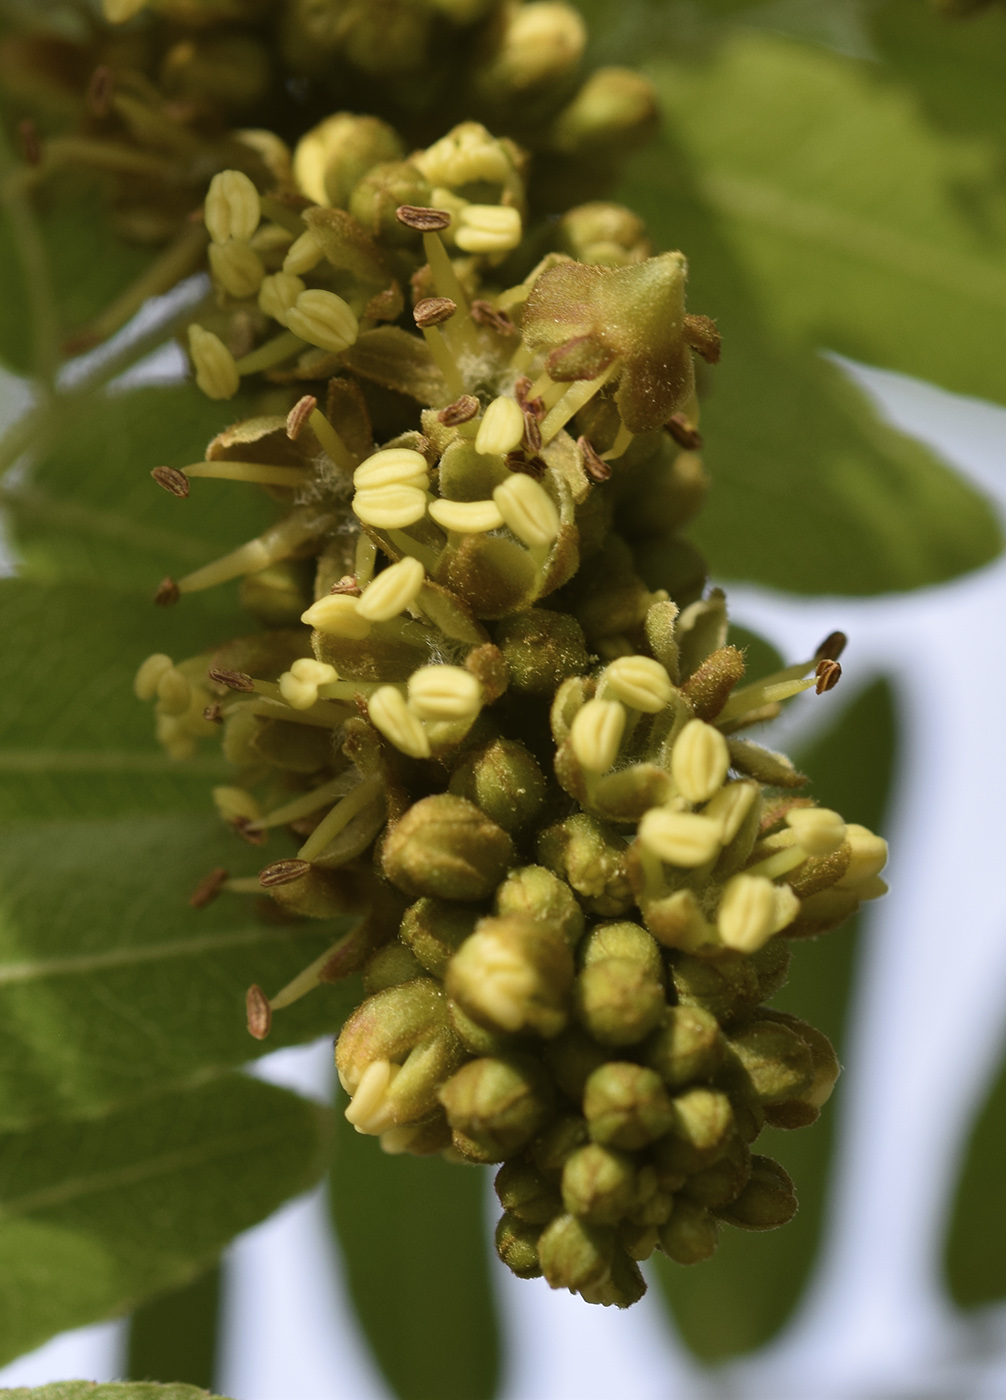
{"x":542,"y":649}
{"x":434,"y":930}
{"x":614,"y":111}
{"x":538,"y":45}
{"x":653,"y":1203}
{"x":557,"y":1143}
{"x":331,"y":158}
{"x":691,"y":1234}
{"x":591,"y":858}
{"x":383,"y":190}
{"x":618,"y":1001}
{"x":766,"y":1202}
{"x":574,"y":1254}
{"x":639,"y":1241}
{"x":446,"y":847}
{"x":623,"y":940}
{"x":517,"y":1246}
{"x":686,"y":1046}
{"x":504,"y":780}
{"x":598,"y":1185}
{"x":573,"y":1057}
{"x":703,"y":1125}
{"x":499,"y":1104}
{"x":723,"y":1180}
{"x":523,"y":1191}
{"x":603,"y":233}
{"x":624,"y":1286}
{"x":513,"y":975}
{"x":311,"y":892}
{"x":532,"y":892}
{"x":626,"y":1106}
{"x":726,"y":985}
{"x":775,"y":1059}
{"x":771,"y":964}
{"x":390,"y":966}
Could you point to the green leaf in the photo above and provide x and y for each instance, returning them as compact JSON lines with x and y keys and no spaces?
{"x":775,"y":175}
{"x":750,"y":1287}
{"x":110,"y":1390}
{"x":176,"y":1334}
{"x":96,"y":1215}
{"x":413,"y":1239}
{"x":975,"y":1244}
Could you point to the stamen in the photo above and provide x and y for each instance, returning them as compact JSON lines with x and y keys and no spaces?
{"x":366,"y":558}
{"x":273,"y":352}
{"x":338,"y":818}
{"x":299,"y":415}
{"x":832,"y":647}
{"x":258,"y":1013}
{"x":466,"y":517}
{"x":502,"y":427}
{"x":433,"y":311}
{"x":620,"y":446}
{"x":258,"y":473}
{"x":302,"y":806}
{"x":780,"y":863}
{"x":574,"y":398}
{"x":428,"y":315}
{"x":278,"y":542}
{"x":462,"y":410}
{"x":247,"y":884}
{"x":485,"y":314}
{"x":173,"y":481}
{"x":827,"y":676}
{"x":233,"y":680}
{"x":208,"y":888}
{"x":304,"y":982}
{"x":595,"y":467}
{"x":685,"y":434}
{"x":753,"y":697}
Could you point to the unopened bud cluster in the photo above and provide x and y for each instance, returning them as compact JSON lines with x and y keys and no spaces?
{"x":492,"y":702}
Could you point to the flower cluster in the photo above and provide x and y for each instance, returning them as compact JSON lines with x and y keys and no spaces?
{"x":493,"y":700}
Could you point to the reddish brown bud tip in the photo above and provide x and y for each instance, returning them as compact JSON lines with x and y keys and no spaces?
{"x":683,"y":432}
{"x":283,"y":872}
{"x":214,"y":714}
{"x":31,"y":146}
{"x":208,"y":888}
{"x":167,"y":593}
{"x":99,"y":91}
{"x":259,"y":1013}
{"x":828,"y":674}
{"x":433,"y":311}
{"x":595,"y":467}
{"x":299,"y":415}
{"x":174,"y":481}
{"x":702,"y":335}
{"x":347,"y":585}
{"x":832,"y":647}
{"x":233,"y":680}
{"x":425,"y":220}
{"x":486,"y":315}
{"x":462,"y":410}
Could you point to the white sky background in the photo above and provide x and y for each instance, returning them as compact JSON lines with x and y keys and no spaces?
{"x":929,"y":1020}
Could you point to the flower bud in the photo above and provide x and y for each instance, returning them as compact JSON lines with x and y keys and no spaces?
{"x":444,"y":693}
{"x":323,"y":319}
{"x":499,"y":1104}
{"x":236,"y":268}
{"x":596,"y":733}
{"x":338,"y":615}
{"x":468,"y":154}
{"x":388,"y":1026}
{"x":446,"y":847}
{"x":591,"y":858}
{"x":391,"y":966}
{"x":278,"y":295}
{"x":775,"y":1059}
{"x":502,"y":427}
{"x":434,"y":929}
{"x":618,"y":1001}
{"x":624,"y":1286}
{"x":817,"y":830}
{"x":726,"y":985}
{"x":598,"y":1185}
{"x":623,"y":940}
{"x":216,"y":372}
{"x":556,"y":1144}
{"x":703,"y":1125}
{"x":541,"y":44}
{"x":677,"y":921}
{"x":232,"y":207}
{"x":680,"y":838}
{"x":686,"y":1046}
{"x":390,"y":507}
{"x":699,"y":761}
{"x":640,"y":682}
{"x":574,"y":1254}
{"x":626,"y":1106}
{"x":523,"y":1191}
{"x":333,"y":156}
{"x":691,"y":1234}
{"x":383,"y":190}
{"x":392,"y":591}
{"x":603,"y":233}
{"x":573,"y":1057}
{"x":541,"y":649}
{"x":513,"y":975}
{"x":517,"y":1246}
{"x":528,"y":510}
{"x":506,"y":782}
{"x":391,"y":716}
{"x":766,"y":1202}
{"x":466,"y":517}
{"x":615,"y":109}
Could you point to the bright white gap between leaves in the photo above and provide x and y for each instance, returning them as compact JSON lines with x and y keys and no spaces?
{"x":929,"y":1020}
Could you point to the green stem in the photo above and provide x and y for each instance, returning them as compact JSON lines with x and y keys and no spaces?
{"x":35,"y":265}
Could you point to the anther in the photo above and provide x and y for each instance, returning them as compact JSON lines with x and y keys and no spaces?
{"x":299,"y":415}
{"x":425,"y":220}
{"x":99,"y":91}
{"x":462,"y":410}
{"x":832,"y":647}
{"x":233,"y":680}
{"x":208,"y":888}
{"x":595,"y":466}
{"x":522,"y":393}
{"x":701,"y":334}
{"x":533,"y":467}
{"x":347,"y":585}
{"x":532,"y":432}
{"x":31,"y":146}
{"x":214,"y":714}
{"x":173,"y":481}
{"x":685,"y":434}
{"x":486,"y":315}
{"x":258,"y":1012}
{"x":167,"y":593}
{"x":433,"y":311}
{"x":828,"y":674}
{"x":283,"y":872}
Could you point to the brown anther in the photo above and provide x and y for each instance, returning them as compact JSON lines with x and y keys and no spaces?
{"x":299,"y":415}
{"x":173,"y":481}
{"x":248,"y":831}
{"x":167,"y":593}
{"x":532,"y":432}
{"x":283,"y":872}
{"x":595,"y":467}
{"x":832,"y":647}
{"x":521,"y":390}
{"x":208,"y":888}
{"x":214,"y":714}
{"x":486,"y":315}
{"x":828,"y":674}
{"x":425,"y":220}
{"x":685,"y":434}
{"x":433,"y":311}
{"x":462,"y":410}
{"x":347,"y":585}
{"x":99,"y":91}
{"x":258,"y":1012}
{"x":701,"y":334}
{"x":233,"y":680}
{"x":528,"y":466}
{"x":31,"y":146}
